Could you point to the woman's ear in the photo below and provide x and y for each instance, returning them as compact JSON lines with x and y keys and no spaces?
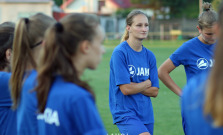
{"x":85,"y":46}
{"x":8,"y":54}
{"x":199,"y":29}
{"x":128,"y":28}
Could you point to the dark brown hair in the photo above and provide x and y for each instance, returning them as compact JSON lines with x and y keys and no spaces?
{"x":61,"y":43}
{"x":6,"y":39}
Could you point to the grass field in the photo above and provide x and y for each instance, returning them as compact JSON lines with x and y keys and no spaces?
{"x":166,"y":106}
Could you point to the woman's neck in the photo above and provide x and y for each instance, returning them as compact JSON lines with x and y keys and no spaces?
{"x":79,"y":66}
{"x":135,"y":44}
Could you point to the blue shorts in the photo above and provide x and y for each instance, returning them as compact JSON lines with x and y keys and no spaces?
{"x":134,"y":126}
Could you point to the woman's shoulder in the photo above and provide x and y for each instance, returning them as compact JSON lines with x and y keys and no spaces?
{"x":149,"y":52}
{"x":4,"y":77}
{"x":5,"y":74}
{"x":121,"y":47}
{"x":68,"y":89}
{"x":192,"y":41}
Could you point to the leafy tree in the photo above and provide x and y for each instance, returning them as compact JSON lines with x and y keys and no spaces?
{"x":183,"y":8}
{"x":140,"y":1}
{"x":58,"y":2}
{"x":215,"y":4}
{"x":122,"y":13}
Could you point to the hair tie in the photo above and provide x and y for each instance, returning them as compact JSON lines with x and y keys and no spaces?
{"x":26,"y":20}
{"x":207,"y":9}
{"x":59,"y":27}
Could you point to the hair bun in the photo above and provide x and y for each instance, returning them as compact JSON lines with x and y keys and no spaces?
{"x":26,"y":20}
{"x":59,"y":27}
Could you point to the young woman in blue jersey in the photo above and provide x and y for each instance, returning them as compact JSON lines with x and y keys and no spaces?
{"x":66,"y":102}
{"x":133,"y":79}
{"x":7,"y":115}
{"x":202,"y":98}
{"x":29,"y":33}
{"x":195,"y":54}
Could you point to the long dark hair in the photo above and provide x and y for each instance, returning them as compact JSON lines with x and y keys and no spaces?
{"x":61,"y":43}
{"x":6,"y":39}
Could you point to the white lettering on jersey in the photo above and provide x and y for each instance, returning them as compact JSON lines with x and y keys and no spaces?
{"x":142,"y":71}
{"x":49,"y":116}
{"x":211,"y":62}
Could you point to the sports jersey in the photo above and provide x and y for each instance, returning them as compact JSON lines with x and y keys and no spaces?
{"x":192,"y":104}
{"x":70,"y":110}
{"x":7,"y":115}
{"x":27,"y":108}
{"x":127,"y":65}
{"x":194,"y":55}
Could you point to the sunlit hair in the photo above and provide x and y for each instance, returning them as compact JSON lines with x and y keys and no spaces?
{"x":208,"y":17}
{"x":6,"y":39}
{"x":28,"y":32}
{"x":214,"y":93}
{"x":129,"y":21}
{"x":61,"y":44}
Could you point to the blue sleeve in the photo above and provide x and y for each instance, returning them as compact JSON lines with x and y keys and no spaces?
{"x":153,"y":72}
{"x":179,"y":57}
{"x":120,"y":68}
{"x":5,"y":98}
{"x":87,"y":117}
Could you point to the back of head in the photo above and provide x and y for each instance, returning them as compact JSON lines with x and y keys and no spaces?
{"x":129,"y":21}
{"x":62,"y":43}
{"x":29,"y":33}
{"x":208,"y":17}
{"x":6,"y":39}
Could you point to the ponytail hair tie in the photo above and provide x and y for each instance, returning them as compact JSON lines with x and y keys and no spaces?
{"x":59,"y":27}
{"x":26,"y":20}
{"x":207,"y":9}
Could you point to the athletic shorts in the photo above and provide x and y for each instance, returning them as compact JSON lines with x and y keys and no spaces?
{"x":134,"y":126}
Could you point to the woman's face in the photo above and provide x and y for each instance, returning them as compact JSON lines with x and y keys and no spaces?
{"x":97,"y":48}
{"x":208,"y":35}
{"x":139,"y":28}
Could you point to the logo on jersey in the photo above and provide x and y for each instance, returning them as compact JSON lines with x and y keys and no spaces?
{"x":49,"y":116}
{"x":202,"y":63}
{"x":132,"y":70}
{"x":140,"y":71}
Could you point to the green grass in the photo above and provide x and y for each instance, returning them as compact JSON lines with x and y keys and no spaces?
{"x":166,"y":106}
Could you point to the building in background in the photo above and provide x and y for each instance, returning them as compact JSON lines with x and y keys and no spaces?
{"x":12,"y":10}
{"x":106,"y":7}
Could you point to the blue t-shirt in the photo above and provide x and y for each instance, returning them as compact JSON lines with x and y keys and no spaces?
{"x":194,"y":55}
{"x":127,"y":65}
{"x":70,"y":110}
{"x":27,"y":108}
{"x":7,"y":115}
{"x":192,"y":104}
